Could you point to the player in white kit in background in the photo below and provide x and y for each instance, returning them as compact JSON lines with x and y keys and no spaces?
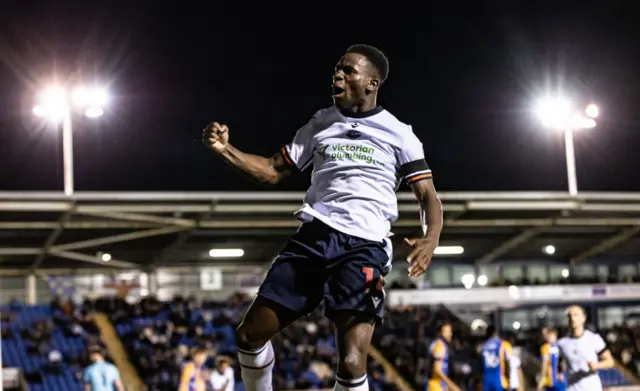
{"x":360,"y":153}
{"x":223,"y":377}
{"x":516,"y":376}
{"x":583,"y":353}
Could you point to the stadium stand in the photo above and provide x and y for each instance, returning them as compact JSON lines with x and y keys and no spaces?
{"x":48,"y":343}
{"x":408,"y":331}
{"x":159,"y":337}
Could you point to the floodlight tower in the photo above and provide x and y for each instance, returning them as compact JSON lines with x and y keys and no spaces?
{"x":560,"y":114}
{"x":56,"y":105}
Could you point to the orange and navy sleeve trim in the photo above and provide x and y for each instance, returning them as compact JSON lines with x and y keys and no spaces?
{"x":415,"y":171}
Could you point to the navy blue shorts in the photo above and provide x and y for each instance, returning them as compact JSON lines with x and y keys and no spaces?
{"x":320,"y":263}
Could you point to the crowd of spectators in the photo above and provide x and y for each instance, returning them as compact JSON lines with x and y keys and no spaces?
{"x":54,"y":338}
{"x":160,"y":338}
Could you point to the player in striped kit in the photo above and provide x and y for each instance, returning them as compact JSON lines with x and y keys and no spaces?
{"x":438,"y":363}
{"x":360,"y":153}
{"x":551,"y":377}
{"x":193,"y":376}
{"x":496,"y":358}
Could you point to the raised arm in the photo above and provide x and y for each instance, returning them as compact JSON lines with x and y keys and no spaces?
{"x":264,"y":170}
{"x":295,"y":156}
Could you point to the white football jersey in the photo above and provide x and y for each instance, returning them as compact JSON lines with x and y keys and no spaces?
{"x":577,"y":352}
{"x":218,"y":380}
{"x":359,"y":160}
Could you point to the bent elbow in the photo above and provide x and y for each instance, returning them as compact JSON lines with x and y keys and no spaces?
{"x":271,"y":180}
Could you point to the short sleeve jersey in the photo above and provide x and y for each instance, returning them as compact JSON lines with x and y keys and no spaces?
{"x":496,"y":354}
{"x":577,"y":353}
{"x":218,"y":380}
{"x":101,"y":376}
{"x":438,"y":355}
{"x":550,"y":355}
{"x":358,"y":163}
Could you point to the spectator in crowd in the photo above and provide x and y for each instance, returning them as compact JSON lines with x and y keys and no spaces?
{"x":193,"y":373}
{"x":54,"y":362}
{"x":223,"y":377}
{"x":101,"y":375}
{"x":161,"y":339}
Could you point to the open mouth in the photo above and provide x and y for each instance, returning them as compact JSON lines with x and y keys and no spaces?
{"x":337,"y":90}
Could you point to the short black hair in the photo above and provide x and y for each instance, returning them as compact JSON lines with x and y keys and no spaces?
{"x":96,"y":349}
{"x":200,"y":350}
{"x":444,"y":324}
{"x":492,"y":330}
{"x":375,"y":57}
{"x":223,"y":359}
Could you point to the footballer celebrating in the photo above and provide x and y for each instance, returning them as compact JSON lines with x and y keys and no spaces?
{"x":359,"y":152}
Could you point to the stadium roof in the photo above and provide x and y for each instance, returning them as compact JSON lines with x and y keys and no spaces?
{"x":51,"y":230}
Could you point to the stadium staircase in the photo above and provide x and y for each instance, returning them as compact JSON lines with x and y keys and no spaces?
{"x":390,"y":370}
{"x":127,"y":371}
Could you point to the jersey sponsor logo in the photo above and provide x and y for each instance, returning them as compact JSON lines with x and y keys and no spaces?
{"x":353,"y":134}
{"x":491,"y":359}
{"x":349,"y":152}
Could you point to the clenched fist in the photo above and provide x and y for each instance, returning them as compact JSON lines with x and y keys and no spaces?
{"x":216,"y":137}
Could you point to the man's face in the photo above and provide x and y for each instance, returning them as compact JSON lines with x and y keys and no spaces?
{"x":576,"y":317}
{"x":353,"y":79}
{"x":199,"y":359}
{"x":447,"y":333}
{"x":222,"y":366}
{"x":551,"y":336}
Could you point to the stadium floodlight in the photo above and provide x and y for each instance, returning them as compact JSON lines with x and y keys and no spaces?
{"x":468,"y":280}
{"x":592,"y":111}
{"x":106,"y":257}
{"x":482,"y":280}
{"x":449,"y":250}
{"x":560,"y":114}
{"x":554,"y":113}
{"x":94,"y":112}
{"x":549,"y":249}
{"x":55,"y":104}
{"x":226,"y":252}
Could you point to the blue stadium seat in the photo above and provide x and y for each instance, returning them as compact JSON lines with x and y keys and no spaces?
{"x":612,"y":378}
{"x":14,"y":351}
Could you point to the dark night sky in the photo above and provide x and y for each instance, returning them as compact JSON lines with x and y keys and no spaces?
{"x":463,"y":74}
